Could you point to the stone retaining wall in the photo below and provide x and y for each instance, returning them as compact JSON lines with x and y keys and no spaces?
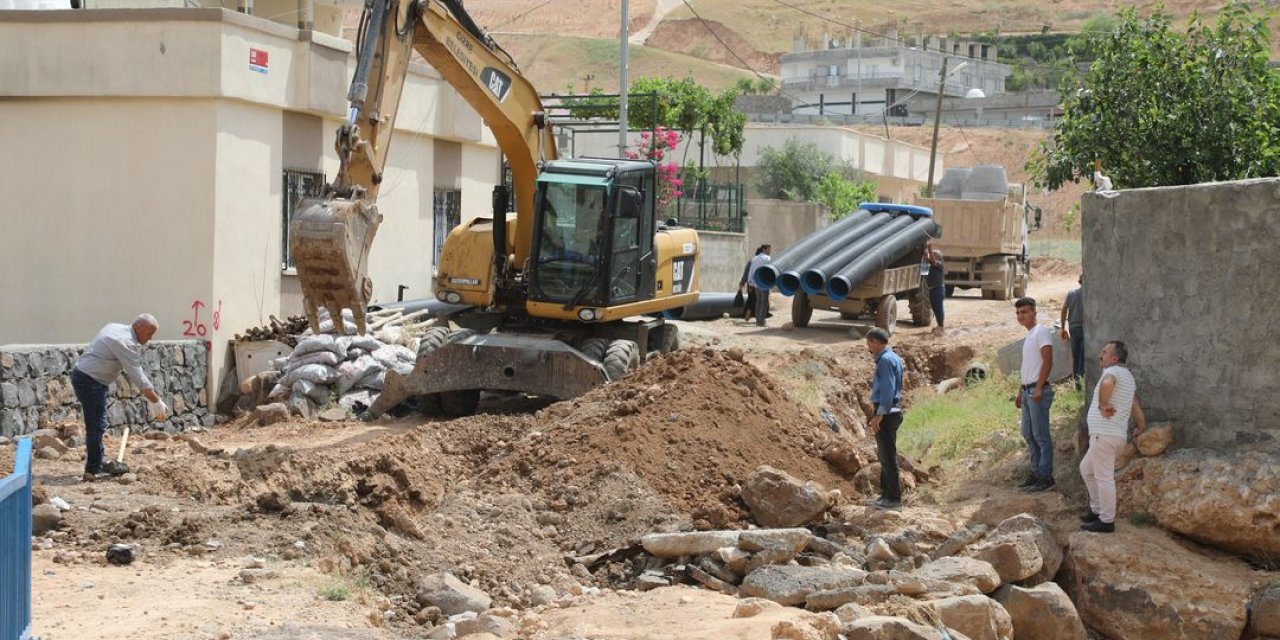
{"x":35,"y":388}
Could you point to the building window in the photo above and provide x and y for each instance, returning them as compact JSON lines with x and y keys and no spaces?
{"x":448,"y":214}
{"x":299,"y":184}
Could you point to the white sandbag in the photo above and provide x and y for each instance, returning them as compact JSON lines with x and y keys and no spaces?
{"x":317,"y":373}
{"x":375,"y":381}
{"x":368,"y":343}
{"x":386,"y":356}
{"x":318,"y":394}
{"x":356,"y":401}
{"x":355,"y":353}
{"x":327,"y":358}
{"x":322,"y":342}
{"x":278,"y":391}
{"x":352,"y":372}
{"x":402,"y":368}
{"x":280,"y":364}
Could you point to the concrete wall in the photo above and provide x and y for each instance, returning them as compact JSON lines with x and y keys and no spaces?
{"x":723,"y":256}
{"x":1186,"y":277}
{"x":782,"y":223}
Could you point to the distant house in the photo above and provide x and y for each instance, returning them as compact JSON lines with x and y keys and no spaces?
{"x":868,"y":75}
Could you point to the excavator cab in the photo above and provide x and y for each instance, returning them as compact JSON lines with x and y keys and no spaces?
{"x":594,"y":232}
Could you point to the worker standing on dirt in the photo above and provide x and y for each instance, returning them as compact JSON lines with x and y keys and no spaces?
{"x":886,"y":400}
{"x":117,"y":347}
{"x":1072,"y":323}
{"x":757,"y":302}
{"x":1115,"y":399}
{"x":1035,"y":396}
{"x":934,"y":280}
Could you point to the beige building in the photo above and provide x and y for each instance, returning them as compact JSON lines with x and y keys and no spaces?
{"x":152,"y":155}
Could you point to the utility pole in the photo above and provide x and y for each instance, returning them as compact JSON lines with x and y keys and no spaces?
{"x":937,"y":120}
{"x":622,"y":91}
{"x":857,"y":45}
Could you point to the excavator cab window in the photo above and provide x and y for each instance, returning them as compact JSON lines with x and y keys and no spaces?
{"x":569,"y":249}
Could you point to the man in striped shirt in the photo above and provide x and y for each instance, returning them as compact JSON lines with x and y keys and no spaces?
{"x":1115,"y":399}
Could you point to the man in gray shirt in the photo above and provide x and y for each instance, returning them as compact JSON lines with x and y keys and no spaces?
{"x":1072,"y":323}
{"x":116,"y":348}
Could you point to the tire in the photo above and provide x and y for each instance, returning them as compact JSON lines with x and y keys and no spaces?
{"x":622,"y":358}
{"x":432,"y":339}
{"x":801,"y":310}
{"x":887,"y":313}
{"x":594,"y":348}
{"x":950,"y":290}
{"x":921,"y":310}
{"x":1022,"y":281}
{"x":997,"y":268}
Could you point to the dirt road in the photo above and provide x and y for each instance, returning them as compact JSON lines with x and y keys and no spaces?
{"x":321,"y":530}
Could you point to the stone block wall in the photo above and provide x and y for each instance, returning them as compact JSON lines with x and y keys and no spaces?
{"x":35,"y":388}
{"x":1187,"y":277}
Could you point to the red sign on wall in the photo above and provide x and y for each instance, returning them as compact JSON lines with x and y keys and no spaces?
{"x":258,"y":60}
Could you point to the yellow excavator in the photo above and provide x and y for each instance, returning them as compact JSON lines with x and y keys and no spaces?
{"x":560,"y":298}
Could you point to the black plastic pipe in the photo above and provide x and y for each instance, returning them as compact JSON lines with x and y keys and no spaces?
{"x":710,"y":306}
{"x":789,"y":281}
{"x":912,"y":238}
{"x":767,"y":275}
{"x":814,"y":279}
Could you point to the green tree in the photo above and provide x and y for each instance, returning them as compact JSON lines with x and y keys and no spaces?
{"x":1160,"y":107}
{"x":802,"y":172}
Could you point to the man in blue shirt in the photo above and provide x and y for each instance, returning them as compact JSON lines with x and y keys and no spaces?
{"x":886,"y":399}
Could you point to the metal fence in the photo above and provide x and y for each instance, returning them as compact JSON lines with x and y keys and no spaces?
{"x":710,"y":206}
{"x":15,"y":548}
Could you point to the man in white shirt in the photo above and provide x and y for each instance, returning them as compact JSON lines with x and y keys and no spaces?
{"x":1035,"y":396}
{"x":1114,"y":400}
{"x":116,"y":348}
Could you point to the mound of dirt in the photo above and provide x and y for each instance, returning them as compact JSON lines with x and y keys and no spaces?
{"x":692,"y":424}
{"x":1049,"y":267}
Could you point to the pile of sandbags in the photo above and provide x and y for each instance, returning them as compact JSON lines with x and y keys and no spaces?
{"x":325,"y":368}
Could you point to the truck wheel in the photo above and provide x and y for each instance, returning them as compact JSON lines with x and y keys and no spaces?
{"x":622,"y":357}
{"x":921,"y":310}
{"x":887,"y":313}
{"x":950,"y":290}
{"x":459,"y":403}
{"x":432,"y":339}
{"x":801,"y":310}
{"x":1021,"y":282}
{"x":594,"y":348}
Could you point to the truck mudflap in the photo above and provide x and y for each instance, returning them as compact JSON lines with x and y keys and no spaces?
{"x":537,"y":365}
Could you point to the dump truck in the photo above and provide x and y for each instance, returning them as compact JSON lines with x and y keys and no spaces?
{"x":985,"y":224}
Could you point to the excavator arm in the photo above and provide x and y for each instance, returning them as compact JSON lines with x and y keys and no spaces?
{"x":331,"y":237}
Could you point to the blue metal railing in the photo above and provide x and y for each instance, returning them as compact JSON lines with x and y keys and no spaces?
{"x":15,"y":548}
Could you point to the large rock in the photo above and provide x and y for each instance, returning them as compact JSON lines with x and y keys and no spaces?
{"x":1043,"y":611}
{"x":1265,"y":620}
{"x":1141,"y":583}
{"x":1155,"y":439}
{"x":687,"y":543}
{"x":451,"y":595}
{"x":1225,"y":500}
{"x":493,"y":626}
{"x":45,"y":518}
{"x":973,"y":571}
{"x":271,"y":413}
{"x":761,"y":539}
{"x":887,"y":628}
{"x":1015,"y":556}
{"x":978,"y":617}
{"x":777,"y":499}
{"x":1046,"y":544}
{"x":791,"y":584}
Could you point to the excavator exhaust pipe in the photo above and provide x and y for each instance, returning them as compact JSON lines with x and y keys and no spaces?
{"x":330,"y":240}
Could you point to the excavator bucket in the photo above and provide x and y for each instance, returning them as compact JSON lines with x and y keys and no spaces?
{"x":330,"y":240}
